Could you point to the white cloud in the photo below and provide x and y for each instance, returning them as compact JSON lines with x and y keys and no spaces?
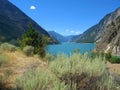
{"x":32,"y":7}
{"x":73,"y":32}
{"x":78,"y":32}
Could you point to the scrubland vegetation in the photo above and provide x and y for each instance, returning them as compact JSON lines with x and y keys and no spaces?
{"x":48,"y":72}
{"x":77,"y":72}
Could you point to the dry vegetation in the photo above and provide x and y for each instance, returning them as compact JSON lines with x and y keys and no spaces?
{"x":14,"y":64}
{"x":77,"y":72}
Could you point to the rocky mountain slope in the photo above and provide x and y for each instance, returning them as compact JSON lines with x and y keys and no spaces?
{"x":94,"y":33}
{"x":110,"y":40}
{"x":13,"y":22}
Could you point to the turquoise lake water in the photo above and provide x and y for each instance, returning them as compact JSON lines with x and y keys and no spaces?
{"x":68,"y":48}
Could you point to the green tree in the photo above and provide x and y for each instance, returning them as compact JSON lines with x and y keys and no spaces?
{"x":32,"y":38}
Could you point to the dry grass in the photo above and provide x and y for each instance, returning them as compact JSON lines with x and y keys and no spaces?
{"x":56,"y":74}
{"x":17,"y":65}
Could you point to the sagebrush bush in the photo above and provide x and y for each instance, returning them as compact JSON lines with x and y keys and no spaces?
{"x":8,"y":47}
{"x":77,"y":72}
{"x":28,"y":50}
{"x":34,"y":80}
{"x":80,"y":72}
{"x":39,"y":80}
{"x":48,"y":57}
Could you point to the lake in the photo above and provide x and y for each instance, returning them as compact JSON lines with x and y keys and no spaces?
{"x":68,"y":48}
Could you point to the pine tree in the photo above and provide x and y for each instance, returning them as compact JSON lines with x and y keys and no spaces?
{"x":32,"y":38}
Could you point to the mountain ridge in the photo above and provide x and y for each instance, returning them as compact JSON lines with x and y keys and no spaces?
{"x":94,"y":33}
{"x":13,"y":22}
{"x":60,"y":37}
{"x":110,"y":41}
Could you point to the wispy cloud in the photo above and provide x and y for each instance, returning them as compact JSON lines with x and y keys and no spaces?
{"x":32,"y":7}
{"x":78,"y":32}
{"x":74,"y":32}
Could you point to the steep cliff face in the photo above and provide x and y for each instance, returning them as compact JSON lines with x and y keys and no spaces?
{"x":13,"y":22}
{"x":94,"y":33}
{"x":110,"y":40}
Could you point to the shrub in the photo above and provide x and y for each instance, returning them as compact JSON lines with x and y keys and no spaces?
{"x":8,"y":47}
{"x":80,"y":72}
{"x":95,"y":54}
{"x":39,"y":80}
{"x":76,"y":50}
{"x":28,"y":50}
{"x":77,"y":72}
{"x":48,"y":57}
{"x":3,"y":73}
{"x":4,"y":80}
{"x":108,"y":55}
{"x":3,"y":60}
{"x":101,"y":54}
{"x":114,"y":59}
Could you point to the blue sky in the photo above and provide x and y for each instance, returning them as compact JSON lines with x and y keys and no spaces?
{"x":66,"y":17}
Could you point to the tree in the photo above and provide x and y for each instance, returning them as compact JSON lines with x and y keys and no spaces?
{"x":32,"y":38}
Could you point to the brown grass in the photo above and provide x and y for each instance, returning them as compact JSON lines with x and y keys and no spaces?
{"x":17,"y":65}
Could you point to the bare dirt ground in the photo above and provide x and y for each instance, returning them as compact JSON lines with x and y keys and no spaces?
{"x":113,"y":68}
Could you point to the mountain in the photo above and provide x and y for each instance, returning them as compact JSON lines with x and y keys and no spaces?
{"x":110,"y":40}
{"x":62,"y":38}
{"x":95,"y":32}
{"x":13,"y":22}
{"x":58,"y":36}
{"x":71,"y":38}
{"x":106,"y":34}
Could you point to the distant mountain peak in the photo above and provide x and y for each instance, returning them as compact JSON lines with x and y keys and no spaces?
{"x":60,"y":37}
{"x":52,"y":31}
